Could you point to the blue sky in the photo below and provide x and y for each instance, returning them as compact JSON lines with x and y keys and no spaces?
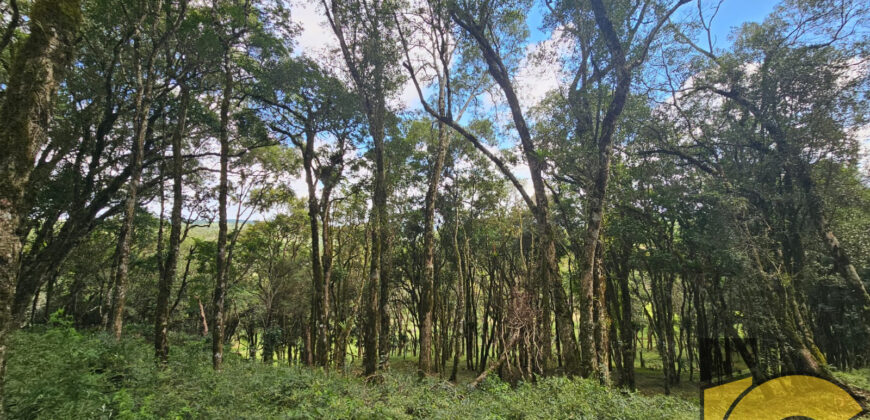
{"x":732,"y":13}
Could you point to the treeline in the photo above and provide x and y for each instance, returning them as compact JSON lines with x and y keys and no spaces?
{"x":703,"y":200}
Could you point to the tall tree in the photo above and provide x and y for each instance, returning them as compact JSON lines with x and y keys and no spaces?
{"x":148,"y":43}
{"x":311,"y":105}
{"x":231,"y":25}
{"x":37,"y":70}
{"x":435,"y":30}
{"x":770,"y":148}
{"x":365,"y":32}
{"x":625,"y":32}
{"x":164,"y":287}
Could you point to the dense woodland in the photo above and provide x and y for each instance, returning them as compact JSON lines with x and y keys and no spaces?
{"x":675,"y":205}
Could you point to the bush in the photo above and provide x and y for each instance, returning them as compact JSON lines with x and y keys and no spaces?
{"x":62,"y":373}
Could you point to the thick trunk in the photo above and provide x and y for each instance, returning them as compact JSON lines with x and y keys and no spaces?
{"x":599,"y":190}
{"x":164,"y":288}
{"x":35,"y":72}
{"x":602,"y":322}
{"x":589,"y":356}
{"x":371,"y":301}
{"x":326,"y":264}
{"x":627,"y":333}
{"x":385,"y":333}
{"x":318,"y":307}
{"x":705,"y":355}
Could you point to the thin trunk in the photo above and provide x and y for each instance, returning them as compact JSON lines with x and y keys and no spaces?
{"x":202,"y":317}
{"x":705,"y":358}
{"x":49,"y":294}
{"x":504,"y":355}
{"x":373,"y":90}
{"x":470,"y":323}
{"x":428,"y":285}
{"x":550,"y":279}
{"x":164,"y":288}
{"x":33,"y":306}
{"x":460,"y":300}
{"x":145,"y":83}
{"x":221,"y":257}
{"x":183,"y":286}
{"x":143,"y":100}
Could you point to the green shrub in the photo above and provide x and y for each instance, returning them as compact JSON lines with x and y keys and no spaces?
{"x":62,"y":373}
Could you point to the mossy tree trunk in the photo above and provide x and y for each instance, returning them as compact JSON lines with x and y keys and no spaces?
{"x":37,"y":69}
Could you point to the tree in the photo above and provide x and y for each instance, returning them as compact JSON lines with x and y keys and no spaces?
{"x":626,"y":32}
{"x":144,"y":64}
{"x":765,"y":159}
{"x":305,"y":104}
{"x":364,"y":39}
{"x":162,"y":312}
{"x":37,"y":70}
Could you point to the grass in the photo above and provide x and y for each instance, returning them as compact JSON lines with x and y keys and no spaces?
{"x":60,"y":372}
{"x":63,"y":373}
{"x":857,"y":377}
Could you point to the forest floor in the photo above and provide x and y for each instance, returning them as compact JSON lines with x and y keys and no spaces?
{"x":64,"y":373}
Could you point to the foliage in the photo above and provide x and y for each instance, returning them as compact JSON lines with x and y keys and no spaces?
{"x":89,"y":375}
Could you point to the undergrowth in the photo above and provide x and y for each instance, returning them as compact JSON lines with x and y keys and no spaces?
{"x":63,"y":373}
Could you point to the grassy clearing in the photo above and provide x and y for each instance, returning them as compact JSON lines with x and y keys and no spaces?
{"x":63,"y":373}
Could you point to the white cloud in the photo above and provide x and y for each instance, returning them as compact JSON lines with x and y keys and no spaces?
{"x":316,"y":39}
{"x":541,"y":70}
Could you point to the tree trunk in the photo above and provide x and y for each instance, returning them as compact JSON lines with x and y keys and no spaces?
{"x":202,"y":317}
{"x":125,"y":235}
{"x":705,"y":357}
{"x":627,"y":333}
{"x":371,"y":302}
{"x":372,"y":86}
{"x":164,"y":288}
{"x":549,"y":278}
{"x":599,"y":188}
{"x":602,"y":323}
{"x":385,"y":333}
{"x":319,"y":299}
{"x":144,"y":86}
{"x":36,"y":70}
{"x":326,"y":264}
{"x":221,"y":257}
{"x":428,"y":285}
